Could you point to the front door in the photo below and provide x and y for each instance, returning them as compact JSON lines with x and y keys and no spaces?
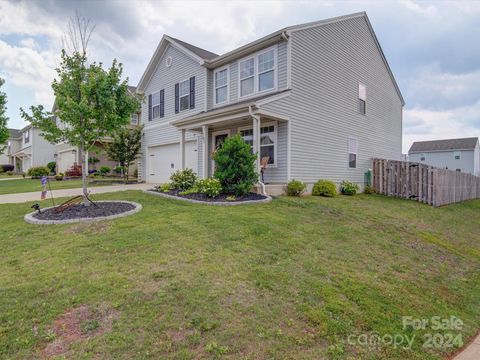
{"x":218,"y":137}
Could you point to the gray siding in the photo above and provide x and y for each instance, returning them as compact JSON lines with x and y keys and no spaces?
{"x":159,"y":131}
{"x":328,"y":62}
{"x":42,"y":151}
{"x":446,"y":159}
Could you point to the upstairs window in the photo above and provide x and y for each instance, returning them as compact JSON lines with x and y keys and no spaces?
{"x":221,"y":86}
{"x":184,"y":94}
{"x":362,"y":99}
{"x":423,"y":156}
{"x":266,"y":66}
{"x":352,"y":152}
{"x":156,"y":105}
{"x":456,"y":155}
{"x":134,"y":119}
{"x":247,"y":77}
{"x":26,"y":136}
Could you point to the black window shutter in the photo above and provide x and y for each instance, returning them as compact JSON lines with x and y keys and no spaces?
{"x":192,"y":92}
{"x":162,"y":103}
{"x":176,"y":98}
{"x":150,"y":107}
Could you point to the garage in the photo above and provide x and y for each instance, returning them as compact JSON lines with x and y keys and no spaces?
{"x":165,"y":159}
{"x":66,"y":159}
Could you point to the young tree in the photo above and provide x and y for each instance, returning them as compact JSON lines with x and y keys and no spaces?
{"x":91,"y":102}
{"x":3,"y":119}
{"x":125,"y":147}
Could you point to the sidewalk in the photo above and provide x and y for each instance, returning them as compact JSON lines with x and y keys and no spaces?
{"x":10,"y":178}
{"x":472,"y":352}
{"x":35,"y":196}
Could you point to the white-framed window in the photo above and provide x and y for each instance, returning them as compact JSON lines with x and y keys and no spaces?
{"x":456,"y":155}
{"x":26,"y":136}
{"x":134,"y":119}
{"x":352,"y":152}
{"x":423,"y":156}
{"x":257,"y":73}
{"x":155,"y":105}
{"x":362,"y":99}
{"x":221,"y":79}
{"x":184,"y":94}
{"x":268,"y":140}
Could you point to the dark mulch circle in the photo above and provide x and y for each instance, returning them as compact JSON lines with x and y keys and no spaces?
{"x":220,"y":198}
{"x":78,"y":211}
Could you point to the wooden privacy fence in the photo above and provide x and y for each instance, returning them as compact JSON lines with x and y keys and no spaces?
{"x":423,"y":183}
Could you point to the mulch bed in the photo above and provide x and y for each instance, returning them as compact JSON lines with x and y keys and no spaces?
{"x":220,"y":198}
{"x":77,"y":211}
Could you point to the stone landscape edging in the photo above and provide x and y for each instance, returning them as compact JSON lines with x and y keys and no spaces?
{"x":218,"y":203}
{"x":31,"y":220}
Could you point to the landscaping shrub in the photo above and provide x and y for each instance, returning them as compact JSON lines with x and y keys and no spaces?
{"x":1,"y":169}
{"x":38,"y":171}
{"x":183,"y":179}
{"x":104,"y":170}
{"x":164,"y":187}
{"x":296,"y":188}
{"x":52,"y":165}
{"x":348,"y":188}
{"x":118,"y":170}
{"x":75,"y":170}
{"x":59,"y":177}
{"x":324,"y":188}
{"x":369,"y":190}
{"x":210,"y":187}
{"x":7,"y":167}
{"x":235,"y":166}
{"x":10,"y":173}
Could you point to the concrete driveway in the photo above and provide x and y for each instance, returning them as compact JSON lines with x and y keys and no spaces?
{"x":35,"y":196}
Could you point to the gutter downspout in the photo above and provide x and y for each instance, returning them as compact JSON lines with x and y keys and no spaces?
{"x":262,"y":185}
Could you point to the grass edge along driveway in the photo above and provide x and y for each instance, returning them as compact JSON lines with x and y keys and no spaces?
{"x":290,"y":279}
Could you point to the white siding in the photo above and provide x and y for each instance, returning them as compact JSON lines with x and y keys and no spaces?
{"x":446,"y":159}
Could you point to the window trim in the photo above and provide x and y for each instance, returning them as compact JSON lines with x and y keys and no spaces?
{"x":180,"y":97}
{"x":227,"y":101}
{"x":424,"y":156}
{"x":348,"y":152}
{"x":153,"y":106}
{"x":457,"y":153}
{"x":26,"y":137}
{"x":275,"y":139}
{"x":256,"y":73}
{"x":359,"y":99}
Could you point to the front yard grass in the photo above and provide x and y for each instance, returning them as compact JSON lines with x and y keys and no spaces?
{"x":29,"y":185}
{"x":291,"y":279}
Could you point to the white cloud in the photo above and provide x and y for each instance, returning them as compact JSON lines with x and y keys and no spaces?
{"x":429,"y":10}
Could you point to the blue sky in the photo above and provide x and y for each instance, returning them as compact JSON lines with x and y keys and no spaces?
{"x":433,"y":48}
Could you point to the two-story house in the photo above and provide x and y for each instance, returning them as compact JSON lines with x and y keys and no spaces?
{"x":461,"y":155}
{"x":68,"y":155}
{"x":318,"y":100}
{"x":11,"y":147}
{"x":34,"y":150}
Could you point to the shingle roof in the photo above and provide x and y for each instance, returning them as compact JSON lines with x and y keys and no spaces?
{"x":444,"y":145}
{"x":204,"y":54}
{"x":15,"y":133}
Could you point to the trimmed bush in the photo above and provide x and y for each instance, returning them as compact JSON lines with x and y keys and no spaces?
{"x":210,"y":187}
{"x":75,"y":170}
{"x":296,"y":188}
{"x":59,"y":177}
{"x":7,"y":167}
{"x":164,"y":187}
{"x":38,"y":171}
{"x":324,"y":188}
{"x":10,"y":173}
{"x":104,"y":170}
{"x":235,"y":166}
{"x":349,"y":188}
{"x":52,"y":165}
{"x":183,"y":179}
{"x":118,"y":170}
{"x":369,"y":190}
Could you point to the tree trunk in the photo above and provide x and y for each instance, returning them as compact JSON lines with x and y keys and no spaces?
{"x":84,"y":177}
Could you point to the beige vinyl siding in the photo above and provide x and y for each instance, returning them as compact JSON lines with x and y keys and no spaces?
{"x":159,"y":131}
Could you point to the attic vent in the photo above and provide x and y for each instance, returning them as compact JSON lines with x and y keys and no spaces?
{"x":168,"y":61}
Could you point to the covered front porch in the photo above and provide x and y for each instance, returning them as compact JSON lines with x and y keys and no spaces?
{"x":266,"y":132}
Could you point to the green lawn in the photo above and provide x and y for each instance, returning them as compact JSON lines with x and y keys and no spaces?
{"x":291,"y":279}
{"x":28,"y":185}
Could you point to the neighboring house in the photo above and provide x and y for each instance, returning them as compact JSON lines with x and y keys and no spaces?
{"x":32,"y":150}
{"x":12,"y":146}
{"x":68,"y":155}
{"x":453,"y":154}
{"x":318,"y":99}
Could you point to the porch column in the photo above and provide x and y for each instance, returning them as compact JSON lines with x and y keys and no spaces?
{"x":256,"y":142}
{"x":182,"y":149}
{"x":205,"y":151}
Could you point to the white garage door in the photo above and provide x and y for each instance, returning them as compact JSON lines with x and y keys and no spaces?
{"x":165,"y":159}
{"x":66,"y":160}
